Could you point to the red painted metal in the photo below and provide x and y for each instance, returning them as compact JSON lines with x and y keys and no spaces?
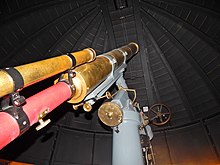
{"x":47,"y":99}
{"x":9,"y":129}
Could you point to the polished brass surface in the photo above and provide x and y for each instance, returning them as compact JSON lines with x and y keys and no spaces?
{"x":43,"y":114}
{"x":42,"y":124}
{"x":110,"y":114}
{"x":6,"y":83}
{"x":88,"y":76}
{"x":41,"y":121}
{"x":38,"y":71}
{"x":76,"y":106}
{"x":87,"y":107}
{"x":87,"y":55}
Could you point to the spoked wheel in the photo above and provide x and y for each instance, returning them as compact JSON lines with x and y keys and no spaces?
{"x":159,"y":114}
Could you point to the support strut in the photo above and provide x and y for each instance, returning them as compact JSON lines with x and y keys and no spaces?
{"x":126,"y":138}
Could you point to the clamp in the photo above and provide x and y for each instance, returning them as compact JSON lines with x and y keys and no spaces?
{"x":12,"y":104}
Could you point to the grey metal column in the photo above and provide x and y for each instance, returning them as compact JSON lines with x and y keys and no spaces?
{"x":126,"y":139}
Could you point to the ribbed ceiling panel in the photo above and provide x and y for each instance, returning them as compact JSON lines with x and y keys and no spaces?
{"x":178,"y":63}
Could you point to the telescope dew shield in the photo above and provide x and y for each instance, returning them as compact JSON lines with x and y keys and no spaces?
{"x":46,"y":100}
{"x":90,"y":75}
{"x":38,"y":71}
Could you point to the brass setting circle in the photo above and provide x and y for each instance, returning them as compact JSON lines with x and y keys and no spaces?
{"x":110,"y":114}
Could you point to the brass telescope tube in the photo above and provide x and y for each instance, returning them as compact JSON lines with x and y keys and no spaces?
{"x":38,"y":71}
{"x":90,"y":75}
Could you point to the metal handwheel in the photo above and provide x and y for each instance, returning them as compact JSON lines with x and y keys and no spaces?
{"x":159,"y":114}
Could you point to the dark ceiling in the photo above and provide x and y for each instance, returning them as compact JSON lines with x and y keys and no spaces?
{"x":178,"y":65}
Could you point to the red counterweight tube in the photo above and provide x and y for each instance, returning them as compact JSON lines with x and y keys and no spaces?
{"x":47,"y":99}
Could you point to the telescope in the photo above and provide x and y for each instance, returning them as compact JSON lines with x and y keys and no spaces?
{"x":15,"y":78}
{"x":84,"y":80}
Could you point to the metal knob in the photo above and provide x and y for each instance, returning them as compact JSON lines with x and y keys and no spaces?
{"x":41,"y":121}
